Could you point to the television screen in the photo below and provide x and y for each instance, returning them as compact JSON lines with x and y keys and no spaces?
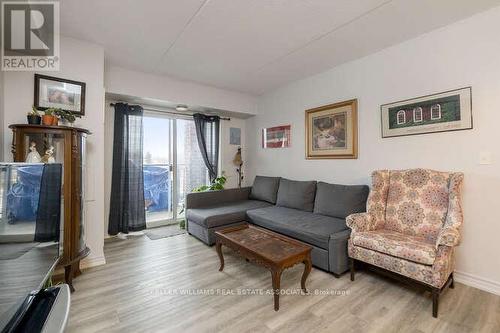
{"x":30,"y":229}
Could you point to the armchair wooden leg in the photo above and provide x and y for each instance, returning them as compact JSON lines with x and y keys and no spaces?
{"x":452,"y":283}
{"x":351,"y":267}
{"x":435,"y":302}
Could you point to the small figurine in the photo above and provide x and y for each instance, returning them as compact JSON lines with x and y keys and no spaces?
{"x":33,"y":155}
{"x":49,"y":156}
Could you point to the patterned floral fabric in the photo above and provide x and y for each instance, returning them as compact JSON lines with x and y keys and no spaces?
{"x":435,"y":275}
{"x":450,"y":233}
{"x":399,"y":245}
{"x":375,"y":206}
{"x":362,"y":222}
{"x":412,"y":224}
{"x":417,"y":202}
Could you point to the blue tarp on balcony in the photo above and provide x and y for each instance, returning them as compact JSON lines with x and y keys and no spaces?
{"x":157,"y":188}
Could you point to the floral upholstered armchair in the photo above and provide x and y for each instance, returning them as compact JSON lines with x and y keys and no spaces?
{"x":411,"y":227}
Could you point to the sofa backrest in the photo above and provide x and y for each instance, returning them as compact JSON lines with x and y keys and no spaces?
{"x":265,"y":189}
{"x":296,"y":194}
{"x":340,"y":200}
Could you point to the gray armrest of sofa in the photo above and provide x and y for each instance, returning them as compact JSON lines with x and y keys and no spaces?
{"x":338,"y":259}
{"x":211,"y":198}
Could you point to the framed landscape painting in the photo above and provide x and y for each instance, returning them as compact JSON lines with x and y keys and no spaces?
{"x":332,"y":131}
{"x":276,"y":137}
{"x":447,"y":111}
{"x":55,"y":92}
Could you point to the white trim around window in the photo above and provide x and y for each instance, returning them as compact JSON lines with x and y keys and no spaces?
{"x":417,"y":115}
{"x":401,"y":120}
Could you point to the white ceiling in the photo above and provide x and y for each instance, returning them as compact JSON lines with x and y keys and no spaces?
{"x":252,"y":46}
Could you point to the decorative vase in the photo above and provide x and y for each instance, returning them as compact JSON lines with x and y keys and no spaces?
{"x":47,"y":119}
{"x":34,"y":119}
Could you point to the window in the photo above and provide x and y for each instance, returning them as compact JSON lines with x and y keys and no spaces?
{"x":173,"y":166}
{"x":401,"y":117}
{"x":417,"y":114}
{"x":436,"y":112}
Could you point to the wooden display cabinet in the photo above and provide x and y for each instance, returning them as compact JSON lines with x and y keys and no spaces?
{"x":69,"y":150}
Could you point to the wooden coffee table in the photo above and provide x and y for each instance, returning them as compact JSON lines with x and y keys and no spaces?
{"x":265,"y":248}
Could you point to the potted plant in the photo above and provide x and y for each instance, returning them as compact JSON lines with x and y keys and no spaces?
{"x":34,"y":117}
{"x":67,"y":117}
{"x":50,"y":117}
{"x":216,"y":185}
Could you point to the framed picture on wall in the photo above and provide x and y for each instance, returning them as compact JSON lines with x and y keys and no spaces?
{"x":443,"y":112}
{"x":54,"y":92}
{"x":235,"y":136}
{"x":276,"y":137}
{"x":332,"y":131}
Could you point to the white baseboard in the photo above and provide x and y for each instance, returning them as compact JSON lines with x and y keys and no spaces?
{"x":477,"y":282}
{"x":92,"y":262}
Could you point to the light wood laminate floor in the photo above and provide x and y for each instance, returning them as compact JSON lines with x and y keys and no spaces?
{"x":134,"y":292}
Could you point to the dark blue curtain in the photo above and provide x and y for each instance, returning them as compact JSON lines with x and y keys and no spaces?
{"x":207,"y":133}
{"x":48,"y":214}
{"x":127,"y":211}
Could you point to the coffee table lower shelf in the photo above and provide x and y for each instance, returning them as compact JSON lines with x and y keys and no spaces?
{"x":267,"y":249}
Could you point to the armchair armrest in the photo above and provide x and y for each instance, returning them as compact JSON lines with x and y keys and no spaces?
{"x":210,"y":198}
{"x":361,"y":222}
{"x":448,"y":237}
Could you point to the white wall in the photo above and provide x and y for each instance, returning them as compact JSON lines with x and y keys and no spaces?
{"x":163,"y":88}
{"x":80,"y":61}
{"x":463,"y":54}
{"x":228,"y":151}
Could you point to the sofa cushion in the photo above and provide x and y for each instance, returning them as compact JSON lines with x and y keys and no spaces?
{"x":396,"y":244}
{"x":265,"y":189}
{"x":296,"y":194}
{"x":223,"y":214}
{"x":310,"y":228}
{"x":340,"y":200}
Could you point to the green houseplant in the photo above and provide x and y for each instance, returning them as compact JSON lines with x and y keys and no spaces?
{"x":34,"y":117}
{"x":216,"y":185}
{"x":67,"y":117}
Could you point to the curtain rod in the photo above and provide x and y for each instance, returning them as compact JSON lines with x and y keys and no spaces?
{"x":171,"y":112}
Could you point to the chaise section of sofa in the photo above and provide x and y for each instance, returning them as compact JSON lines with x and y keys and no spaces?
{"x":208,"y":211}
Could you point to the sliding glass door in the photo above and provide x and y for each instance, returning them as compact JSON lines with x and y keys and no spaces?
{"x":173,"y":166}
{"x":191,"y":170}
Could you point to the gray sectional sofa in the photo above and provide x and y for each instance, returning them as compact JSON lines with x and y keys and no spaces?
{"x":309,"y":211}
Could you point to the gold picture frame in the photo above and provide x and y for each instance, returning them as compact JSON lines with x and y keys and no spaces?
{"x":332,"y":131}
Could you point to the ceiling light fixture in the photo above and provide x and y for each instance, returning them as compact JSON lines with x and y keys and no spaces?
{"x":181,"y":107}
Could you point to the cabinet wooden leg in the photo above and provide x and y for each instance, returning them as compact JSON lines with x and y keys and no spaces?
{"x":68,"y":277}
{"x":276,"y":276}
